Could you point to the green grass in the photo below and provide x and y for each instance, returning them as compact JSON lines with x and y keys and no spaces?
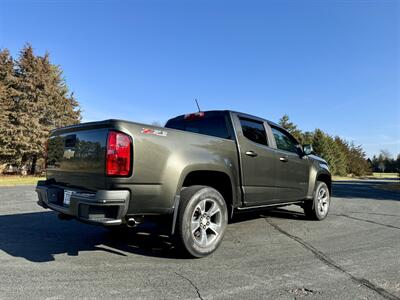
{"x":19,"y":180}
{"x":373,"y":176}
{"x":385,"y":175}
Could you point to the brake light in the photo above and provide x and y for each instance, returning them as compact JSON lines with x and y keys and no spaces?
{"x":119,"y":152}
{"x":194,"y":116}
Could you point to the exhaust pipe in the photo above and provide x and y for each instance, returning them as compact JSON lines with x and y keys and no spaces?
{"x":130,"y":222}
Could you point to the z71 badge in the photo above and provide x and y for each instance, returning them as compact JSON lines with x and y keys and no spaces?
{"x":154,"y":132}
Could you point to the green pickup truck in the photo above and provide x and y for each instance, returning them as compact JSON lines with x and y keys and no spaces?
{"x":196,"y":172}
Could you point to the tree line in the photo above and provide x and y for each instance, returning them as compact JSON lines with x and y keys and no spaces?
{"x":34,"y":99}
{"x":384,"y":162}
{"x":344,"y":157}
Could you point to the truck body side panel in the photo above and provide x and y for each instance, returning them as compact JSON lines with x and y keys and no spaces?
{"x":161,"y":161}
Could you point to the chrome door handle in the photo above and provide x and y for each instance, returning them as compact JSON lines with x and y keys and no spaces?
{"x":251,"y":153}
{"x":283,"y":159}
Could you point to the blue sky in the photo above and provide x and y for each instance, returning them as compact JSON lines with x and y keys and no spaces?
{"x":333,"y":65}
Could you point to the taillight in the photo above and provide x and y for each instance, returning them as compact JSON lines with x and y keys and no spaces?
{"x":194,"y":116}
{"x":119,"y":152}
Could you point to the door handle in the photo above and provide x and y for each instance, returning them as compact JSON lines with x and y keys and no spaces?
{"x":251,"y":153}
{"x":283,"y":159}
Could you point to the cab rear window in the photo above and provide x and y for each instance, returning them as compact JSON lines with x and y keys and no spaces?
{"x":208,"y":124}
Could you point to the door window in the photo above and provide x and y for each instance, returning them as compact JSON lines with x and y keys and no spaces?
{"x":254,"y":131}
{"x":284,"y":141}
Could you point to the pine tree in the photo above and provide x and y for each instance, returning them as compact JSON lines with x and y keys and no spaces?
{"x":34,"y":102}
{"x":343,"y":147}
{"x":357,"y":162}
{"x":49,"y":101}
{"x":28,"y":108}
{"x":7,"y":95}
{"x":327,"y":147}
{"x":291,"y":127}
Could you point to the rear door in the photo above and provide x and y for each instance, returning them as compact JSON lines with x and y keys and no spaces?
{"x":257,"y":161}
{"x":292,"y":168}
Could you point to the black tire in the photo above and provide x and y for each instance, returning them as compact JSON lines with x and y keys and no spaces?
{"x":196,"y":229}
{"x":316,"y":209}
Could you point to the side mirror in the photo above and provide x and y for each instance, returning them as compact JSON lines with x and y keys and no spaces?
{"x":308,"y":149}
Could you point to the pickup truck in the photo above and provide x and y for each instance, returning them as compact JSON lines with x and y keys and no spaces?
{"x":197,"y":172}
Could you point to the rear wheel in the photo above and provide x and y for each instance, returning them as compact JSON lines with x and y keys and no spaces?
{"x":318,"y":208}
{"x":202,"y":220}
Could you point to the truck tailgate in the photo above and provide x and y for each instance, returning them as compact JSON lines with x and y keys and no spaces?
{"x":76,"y":156}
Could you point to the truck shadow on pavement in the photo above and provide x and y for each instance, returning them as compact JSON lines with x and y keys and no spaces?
{"x":39,"y":236}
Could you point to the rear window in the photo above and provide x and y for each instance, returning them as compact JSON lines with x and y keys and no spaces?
{"x":254,"y":131}
{"x":209,"y":124}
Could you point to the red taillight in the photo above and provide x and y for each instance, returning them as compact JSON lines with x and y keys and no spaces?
{"x":194,"y":116}
{"x":119,"y":148}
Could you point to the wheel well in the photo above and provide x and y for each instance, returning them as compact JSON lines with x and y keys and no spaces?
{"x":217,"y":180}
{"x":327,"y":179}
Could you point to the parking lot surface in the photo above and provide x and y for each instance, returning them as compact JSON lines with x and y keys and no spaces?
{"x":276,"y":254}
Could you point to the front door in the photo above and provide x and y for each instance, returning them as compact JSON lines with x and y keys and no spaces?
{"x":292,"y":167}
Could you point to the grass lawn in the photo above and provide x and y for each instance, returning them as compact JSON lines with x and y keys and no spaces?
{"x":385,"y":175}
{"x":19,"y":180}
{"x":373,"y":176}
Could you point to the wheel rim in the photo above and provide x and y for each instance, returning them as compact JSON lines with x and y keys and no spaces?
{"x":206,"y":225}
{"x":323,"y":201}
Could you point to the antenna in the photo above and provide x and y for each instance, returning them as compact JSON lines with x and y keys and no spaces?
{"x":197,"y":103}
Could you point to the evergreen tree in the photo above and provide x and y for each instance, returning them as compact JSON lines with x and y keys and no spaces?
{"x":28,"y":108}
{"x":36,"y":102}
{"x":325,"y":146}
{"x":307,"y":137}
{"x":343,"y":158}
{"x":8,"y":94}
{"x":291,"y":127}
{"x":357,"y":162}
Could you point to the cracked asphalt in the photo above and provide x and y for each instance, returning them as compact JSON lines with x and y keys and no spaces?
{"x":276,"y":254}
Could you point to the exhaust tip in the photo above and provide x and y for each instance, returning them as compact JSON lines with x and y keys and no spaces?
{"x":131,"y":222}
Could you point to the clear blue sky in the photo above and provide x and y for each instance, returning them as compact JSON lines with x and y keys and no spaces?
{"x":328,"y":64}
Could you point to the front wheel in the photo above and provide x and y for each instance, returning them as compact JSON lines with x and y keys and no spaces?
{"x":318,"y":208}
{"x":202,"y":220}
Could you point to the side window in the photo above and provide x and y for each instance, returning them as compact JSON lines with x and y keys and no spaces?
{"x":284,"y":141}
{"x":254,"y":131}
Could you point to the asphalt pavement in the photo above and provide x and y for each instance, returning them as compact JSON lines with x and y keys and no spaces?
{"x":353,"y":254}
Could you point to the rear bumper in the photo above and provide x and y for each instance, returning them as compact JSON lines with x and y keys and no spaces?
{"x":103,"y":207}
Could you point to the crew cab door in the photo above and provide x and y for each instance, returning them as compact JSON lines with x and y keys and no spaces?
{"x":292,"y":168}
{"x":257,"y":161}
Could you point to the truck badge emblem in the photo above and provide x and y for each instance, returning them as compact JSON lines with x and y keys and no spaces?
{"x":154,"y":131}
